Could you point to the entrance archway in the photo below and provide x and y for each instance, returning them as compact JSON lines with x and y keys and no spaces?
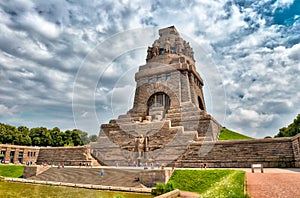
{"x":159,"y":100}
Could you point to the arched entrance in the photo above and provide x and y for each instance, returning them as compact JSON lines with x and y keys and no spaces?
{"x":158,"y":101}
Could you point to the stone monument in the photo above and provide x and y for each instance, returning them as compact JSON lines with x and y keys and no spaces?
{"x":168,"y":112}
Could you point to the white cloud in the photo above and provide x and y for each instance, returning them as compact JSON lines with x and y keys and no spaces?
{"x":4,"y":110}
{"x":40,"y":25}
{"x":283,"y":3}
{"x":293,"y":52}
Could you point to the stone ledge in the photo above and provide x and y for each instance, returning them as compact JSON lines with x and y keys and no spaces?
{"x":253,"y":141}
{"x":174,"y":193}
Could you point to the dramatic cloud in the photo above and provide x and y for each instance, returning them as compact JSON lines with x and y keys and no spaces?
{"x":55,"y":52}
{"x":7,"y":111}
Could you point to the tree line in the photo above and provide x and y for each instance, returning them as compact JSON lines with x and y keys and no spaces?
{"x":292,"y":130}
{"x":41,"y":136}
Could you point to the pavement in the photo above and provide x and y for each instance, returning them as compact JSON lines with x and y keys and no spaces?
{"x":283,"y":184}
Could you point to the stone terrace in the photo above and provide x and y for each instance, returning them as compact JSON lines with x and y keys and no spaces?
{"x":271,"y":152}
{"x":66,"y":155}
{"x":112,"y":177}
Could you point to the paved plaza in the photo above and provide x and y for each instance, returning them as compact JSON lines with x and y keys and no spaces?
{"x":273,"y":183}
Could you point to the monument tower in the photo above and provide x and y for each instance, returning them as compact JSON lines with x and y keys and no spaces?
{"x":168,"y":112}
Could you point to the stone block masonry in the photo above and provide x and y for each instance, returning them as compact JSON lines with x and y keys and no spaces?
{"x":296,"y":149}
{"x":69,"y":156}
{"x":277,"y":152}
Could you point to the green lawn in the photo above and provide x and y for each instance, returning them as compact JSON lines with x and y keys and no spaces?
{"x":210,"y":183}
{"x":21,"y":190}
{"x":14,"y":171}
{"x":227,"y":134}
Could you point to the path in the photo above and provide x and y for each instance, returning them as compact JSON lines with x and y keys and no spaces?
{"x":280,"y":183}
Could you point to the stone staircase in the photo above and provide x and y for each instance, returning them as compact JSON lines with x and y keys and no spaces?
{"x":109,"y":153}
{"x":174,"y":149}
{"x":173,"y":142}
{"x":187,"y":115}
{"x":112,"y":177}
{"x":69,"y":156}
{"x":167,"y":139}
{"x":193,"y":119}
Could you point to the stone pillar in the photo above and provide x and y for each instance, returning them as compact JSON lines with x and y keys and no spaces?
{"x":7,"y":155}
{"x":185,"y":87}
{"x":192,"y":88}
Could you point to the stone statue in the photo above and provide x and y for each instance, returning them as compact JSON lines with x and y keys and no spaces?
{"x":140,"y":145}
{"x":155,"y":48}
{"x":167,"y":46}
{"x":149,"y":53}
{"x":178,"y":46}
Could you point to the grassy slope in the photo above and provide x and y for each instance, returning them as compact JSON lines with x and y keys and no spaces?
{"x":8,"y":189}
{"x":227,"y":134}
{"x":210,"y":183}
{"x":14,"y":171}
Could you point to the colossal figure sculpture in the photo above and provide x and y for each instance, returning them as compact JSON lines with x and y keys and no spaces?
{"x":168,"y":111}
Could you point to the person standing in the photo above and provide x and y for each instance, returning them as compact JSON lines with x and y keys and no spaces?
{"x":102,"y":173}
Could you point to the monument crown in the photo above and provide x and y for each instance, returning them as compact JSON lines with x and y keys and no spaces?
{"x":170,"y":42}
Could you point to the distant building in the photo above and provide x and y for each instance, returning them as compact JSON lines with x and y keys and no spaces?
{"x":18,"y":154}
{"x":30,"y":155}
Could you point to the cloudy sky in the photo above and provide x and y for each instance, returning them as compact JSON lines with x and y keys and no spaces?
{"x":71,"y":63}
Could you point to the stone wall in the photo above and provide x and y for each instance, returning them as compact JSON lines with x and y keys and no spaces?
{"x":69,"y":156}
{"x":269,"y":152}
{"x":296,"y":149}
{"x":150,"y":177}
{"x":30,"y":171}
{"x":273,"y":152}
{"x":209,"y":128}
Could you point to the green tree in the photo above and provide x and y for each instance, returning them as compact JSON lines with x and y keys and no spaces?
{"x":41,"y":136}
{"x":35,"y":135}
{"x":46,"y":139}
{"x":84,"y":137}
{"x":24,"y":136}
{"x":93,"y":138}
{"x":2,"y":133}
{"x":292,"y":130}
{"x":25,"y":140}
{"x":23,"y":129}
{"x":67,"y":137}
{"x":76,"y":138}
{"x":36,"y":141}
{"x":57,"y":137}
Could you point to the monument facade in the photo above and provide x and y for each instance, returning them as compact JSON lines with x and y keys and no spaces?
{"x":168,"y":113}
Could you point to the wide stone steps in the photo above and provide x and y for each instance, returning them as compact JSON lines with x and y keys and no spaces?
{"x":109,"y":153}
{"x":174,"y":149}
{"x":112,"y":177}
